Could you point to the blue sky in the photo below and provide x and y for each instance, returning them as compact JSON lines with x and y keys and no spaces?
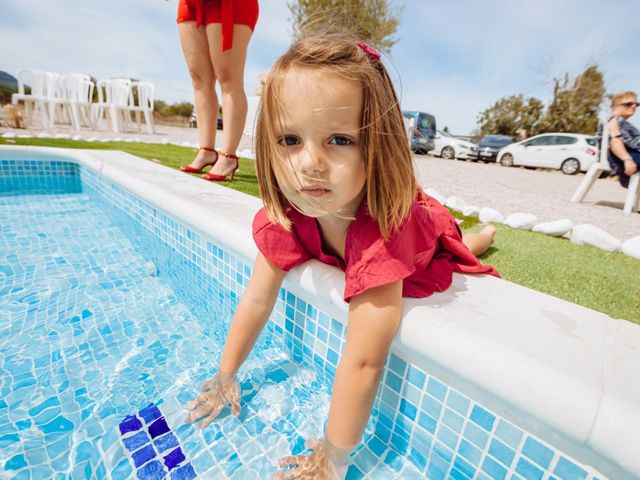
{"x":453,"y":58}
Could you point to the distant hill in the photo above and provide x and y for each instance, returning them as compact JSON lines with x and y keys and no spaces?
{"x":8,"y":80}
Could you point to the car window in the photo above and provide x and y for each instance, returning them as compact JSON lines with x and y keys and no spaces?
{"x":564,"y":140}
{"x":538,"y":141}
{"x":425,"y":122}
{"x":592,"y":141}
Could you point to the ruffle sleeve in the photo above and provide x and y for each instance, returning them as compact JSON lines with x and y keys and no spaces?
{"x":281,"y":247}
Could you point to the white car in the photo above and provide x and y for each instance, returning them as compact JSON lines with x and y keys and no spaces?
{"x":569,"y":152}
{"x":449,"y":147}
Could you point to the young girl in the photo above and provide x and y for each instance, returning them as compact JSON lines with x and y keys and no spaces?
{"x":337,"y":181}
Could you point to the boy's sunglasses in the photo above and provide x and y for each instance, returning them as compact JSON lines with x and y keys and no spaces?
{"x":630,"y":104}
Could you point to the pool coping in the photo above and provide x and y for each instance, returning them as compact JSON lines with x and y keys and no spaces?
{"x":562,"y":371}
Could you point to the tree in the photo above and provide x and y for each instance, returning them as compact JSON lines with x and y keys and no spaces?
{"x":511,"y":116}
{"x":371,"y":20}
{"x":575,"y":109}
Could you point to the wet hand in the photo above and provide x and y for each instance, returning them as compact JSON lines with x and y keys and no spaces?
{"x":326,"y":462}
{"x":217,"y":393}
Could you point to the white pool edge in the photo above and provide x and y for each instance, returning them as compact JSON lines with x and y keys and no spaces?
{"x":566,"y":373}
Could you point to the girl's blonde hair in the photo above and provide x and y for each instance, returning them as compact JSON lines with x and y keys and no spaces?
{"x":391,"y":184}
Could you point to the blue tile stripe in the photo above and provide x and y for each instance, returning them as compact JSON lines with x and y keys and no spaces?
{"x":444,"y":433}
{"x":155,"y":450}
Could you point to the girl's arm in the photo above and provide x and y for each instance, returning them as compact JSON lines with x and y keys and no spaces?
{"x":250,"y":317}
{"x":374,"y":317}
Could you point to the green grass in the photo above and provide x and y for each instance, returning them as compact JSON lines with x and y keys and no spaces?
{"x":603,"y":281}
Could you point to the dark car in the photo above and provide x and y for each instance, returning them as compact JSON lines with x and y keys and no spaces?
{"x":193,"y":121}
{"x":490,"y":145}
{"x":424,"y":131}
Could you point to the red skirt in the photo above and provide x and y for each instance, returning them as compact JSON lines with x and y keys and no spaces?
{"x":226,"y":12}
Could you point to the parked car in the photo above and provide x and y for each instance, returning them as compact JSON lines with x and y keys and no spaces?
{"x":490,"y":145}
{"x":569,"y":152}
{"x":448,"y":147}
{"x":424,"y":131}
{"x":193,"y":121}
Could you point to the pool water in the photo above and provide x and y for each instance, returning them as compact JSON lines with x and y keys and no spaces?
{"x":99,"y":351}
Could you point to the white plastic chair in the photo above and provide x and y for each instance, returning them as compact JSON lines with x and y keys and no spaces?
{"x":144,"y":105}
{"x":71,"y":100}
{"x":41,"y":83}
{"x":113,"y":98}
{"x":633,"y":193}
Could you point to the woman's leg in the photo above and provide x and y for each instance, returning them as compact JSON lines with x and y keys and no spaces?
{"x":478,"y":243}
{"x":229,"y":71}
{"x":196,"y":53}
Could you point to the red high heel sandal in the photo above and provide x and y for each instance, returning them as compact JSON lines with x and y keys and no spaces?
{"x":213,"y":177}
{"x":190,"y":169}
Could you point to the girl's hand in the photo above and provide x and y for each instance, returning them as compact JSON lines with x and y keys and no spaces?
{"x":217,"y":392}
{"x":326,"y":462}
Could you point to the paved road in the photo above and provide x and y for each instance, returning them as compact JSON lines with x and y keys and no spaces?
{"x":544,"y":193}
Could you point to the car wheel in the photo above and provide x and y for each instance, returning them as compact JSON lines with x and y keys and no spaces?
{"x":448,"y":153}
{"x":506,"y":160}
{"x":570,"y":166}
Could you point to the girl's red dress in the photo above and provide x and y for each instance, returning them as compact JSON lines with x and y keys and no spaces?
{"x":226,"y":12}
{"x":423,"y":253}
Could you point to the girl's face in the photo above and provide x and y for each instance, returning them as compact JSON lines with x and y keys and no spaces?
{"x":319,"y":138}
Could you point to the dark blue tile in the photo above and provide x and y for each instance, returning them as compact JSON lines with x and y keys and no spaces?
{"x":143,"y":455}
{"x":130,"y":424}
{"x":159,"y":427}
{"x":152,"y":471}
{"x":408,"y":409}
{"x":150,"y":413}
{"x":174,"y":458}
{"x":136,"y":441}
{"x":185,"y":472}
{"x":166,"y":442}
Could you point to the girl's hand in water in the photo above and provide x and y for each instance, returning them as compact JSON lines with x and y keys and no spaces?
{"x":217,"y":392}
{"x":326,"y":462}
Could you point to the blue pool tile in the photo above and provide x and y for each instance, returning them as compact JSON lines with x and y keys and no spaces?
{"x":397,"y":365}
{"x":501,"y":452}
{"x":442,"y":451}
{"x":174,"y":458}
{"x":475,"y":435}
{"x":494,"y":469}
{"x":134,"y":442}
{"x":168,"y":441}
{"x":567,"y":470}
{"x":458,"y":475}
{"x":143,"y":455}
{"x":458,"y":402}
{"x":436,"y":388}
{"x":186,"y":472}
{"x":536,"y":451}
{"x":130,"y":424}
{"x":150,"y":413}
{"x":415,"y":376}
{"x":432,"y":406}
{"x":482,"y":417}
{"x":447,"y":436}
{"x":427,"y":422}
{"x":394,"y":381}
{"x":408,"y":409}
{"x":464,"y":466}
{"x":418,"y":458}
{"x":152,"y":471}
{"x":437,"y":468}
{"x":159,"y":427}
{"x":376,"y":446}
{"x":528,"y":470}
{"x":453,"y":420}
{"x":15,"y":463}
{"x":509,"y":434}
{"x":470,"y":452}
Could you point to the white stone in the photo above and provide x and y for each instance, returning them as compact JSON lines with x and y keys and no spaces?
{"x":116,"y":139}
{"x":471,"y":211}
{"x":631,"y":247}
{"x":557,"y":228}
{"x":455,"y":203}
{"x":63,"y":136}
{"x":78,"y":138}
{"x":8,"y":135}
{"x":436,"y":195}
{"x":488,"y":214}
{"x":23,"y":135}
{"x":105,"y":140}
{"x":164,"y":141}
{"x":44,"y":135}
{"x":587,"y":234}
{"x":92,"y":139}
{"x":186,"y":144}
{"x":523,"y":221}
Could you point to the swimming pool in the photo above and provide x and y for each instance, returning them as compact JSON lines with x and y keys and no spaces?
{"x":116,"y":313}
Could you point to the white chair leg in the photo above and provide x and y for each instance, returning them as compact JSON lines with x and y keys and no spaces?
{"x":592,"y":174}
{"x":75,"y":117}
{"x":115,"y":120}
{"x":148,"y":118}
{"x":633,"y":194}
